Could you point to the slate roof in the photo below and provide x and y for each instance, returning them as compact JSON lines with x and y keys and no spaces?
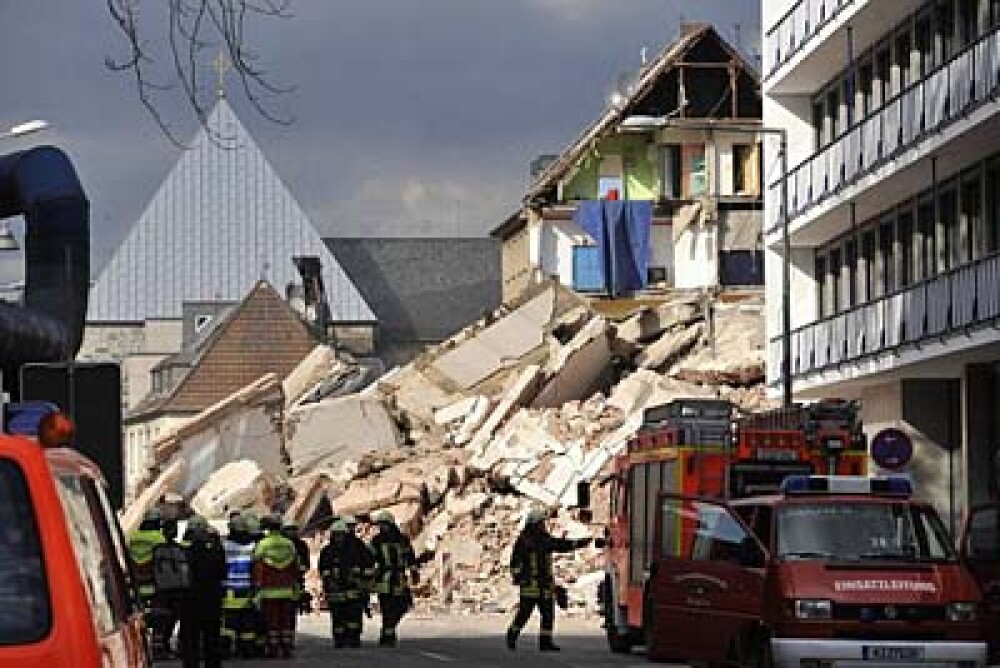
{"x":262,"y":335}
{"x":423,"y":289}
{"x":221,"y":221}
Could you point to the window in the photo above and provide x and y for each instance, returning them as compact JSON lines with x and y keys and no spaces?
{"x":833,"y":114}
{"x":968,"y":21}
{"x":924,"y":41}
{"x":883,"y":71}
{"x":886,"y":259}
{"x":972,"y":217}
{"x":861,"y":532}
{"x":819,"y":124}
{"x":928,"y":239}
{"x":201,"y":322}
{"x":836,"y":279}
{"x":718,"y":536}
{"x":905,"y":228}
{"x":851,"y":262}
{"x":983,"y":538}
{"x":25,"y":612}
{"x":904,"y":47}
{"x":866,"y":82}
{"x":868,"y":254}
{"x":746,"y":170}
{"x":993,"y":204}
{"x":945,"y":17}
{"x":948,"y":214}
{"x":822,"y":301}
{"x":95,"y":568}
{"x":672,"y":171}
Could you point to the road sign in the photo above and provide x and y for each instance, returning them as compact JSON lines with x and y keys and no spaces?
{"x":892,"y":449}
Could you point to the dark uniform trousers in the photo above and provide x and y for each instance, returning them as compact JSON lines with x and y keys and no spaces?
{"x":201,"y":627}
{"x":546,"y":608}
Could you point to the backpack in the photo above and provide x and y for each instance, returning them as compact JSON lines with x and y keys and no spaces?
{"x":171,"y":568}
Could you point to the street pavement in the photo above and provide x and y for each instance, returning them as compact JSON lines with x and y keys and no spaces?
{"x":454,"y":640}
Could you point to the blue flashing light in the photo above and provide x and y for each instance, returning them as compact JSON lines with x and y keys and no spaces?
{"x":22,"y":419}
{"x":883,"y":486}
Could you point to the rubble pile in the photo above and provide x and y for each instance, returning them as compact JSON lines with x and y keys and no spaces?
{"x":511,"y":413}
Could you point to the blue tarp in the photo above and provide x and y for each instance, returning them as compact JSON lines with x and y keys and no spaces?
{"x":621,"y":231}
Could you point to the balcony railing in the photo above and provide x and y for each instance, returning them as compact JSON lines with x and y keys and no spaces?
{"x":954,"y":301}
{"x":797,"y":26}
{"x":944,"y":95}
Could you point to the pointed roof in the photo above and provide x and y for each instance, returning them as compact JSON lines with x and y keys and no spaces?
{"x":260,"y":336}
{"x":221,"y":221}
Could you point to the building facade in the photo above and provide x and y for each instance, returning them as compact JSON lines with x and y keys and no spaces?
{"x":680,"y":135}
{"x":893,"y":209}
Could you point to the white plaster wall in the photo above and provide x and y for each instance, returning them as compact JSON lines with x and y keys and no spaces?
{"x":696,"y":257}
{"x":557,"y":240}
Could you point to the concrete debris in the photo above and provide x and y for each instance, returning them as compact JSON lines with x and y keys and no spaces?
{"x":670,"y":347}
{"x":238,"y":486}
{"x":511,"y":413}
{"x":324,"y":435}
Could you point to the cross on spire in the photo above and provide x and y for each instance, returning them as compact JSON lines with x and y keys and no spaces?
{"x":221,"y":66}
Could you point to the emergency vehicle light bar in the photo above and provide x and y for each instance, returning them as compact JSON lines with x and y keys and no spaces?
{"x":797,"y":485}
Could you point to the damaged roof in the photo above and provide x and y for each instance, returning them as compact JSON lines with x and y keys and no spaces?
{"x":619,"y":110}
{"x":260,"y":336}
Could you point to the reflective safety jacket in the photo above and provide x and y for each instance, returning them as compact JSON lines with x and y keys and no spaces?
{"x":238,"y":585}
{"x":395,"y":559}
{"x":345,"y":565}
{"x":531,"y":560}
{"x":276,"y":568}
{"x":140,"y":549}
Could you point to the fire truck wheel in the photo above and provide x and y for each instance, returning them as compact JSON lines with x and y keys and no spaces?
{"x":751,"y":651}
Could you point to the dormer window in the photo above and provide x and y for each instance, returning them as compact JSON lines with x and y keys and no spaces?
{"x":201,"y":322}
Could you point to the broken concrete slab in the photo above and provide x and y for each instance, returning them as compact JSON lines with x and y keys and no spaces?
{"x":634,"y":391}
{"x":311,"y":371}
{"x":409,"y":517}
{"x":456,"y":411}
{"x":324,"y":435}
{"x":651,"y":322}
{"x":366,"y":496}
{"x":524,"y":389}
{"x":579,"y":368}
{"x":131,"y":516}
{"x":733,"y":353}
{"x":236,"y":486}
{"x":669,"y":347}
{"x":501,"y":344}
{"x":473,"y":421}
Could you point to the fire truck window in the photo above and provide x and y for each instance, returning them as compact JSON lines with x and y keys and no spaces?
{"x":25,"y":612}
{"x":119,"y":588}
{"x":653,"y":488}
{"x":983,"y":540}
{"x":718,"y":537}
{"x":637,"y":515}
{"x":95,"y":570}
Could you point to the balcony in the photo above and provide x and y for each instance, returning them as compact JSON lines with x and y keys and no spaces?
{"x":957,"y":301}
{"x":945,"y":95}
{"x":797,"y":27}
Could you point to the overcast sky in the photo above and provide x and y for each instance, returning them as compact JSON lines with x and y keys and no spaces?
{"x":412,"y":117}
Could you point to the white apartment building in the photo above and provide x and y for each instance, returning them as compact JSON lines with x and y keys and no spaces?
{"x":894,"y":206}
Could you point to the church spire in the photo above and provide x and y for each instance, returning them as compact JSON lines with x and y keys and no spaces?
{"x":221,"y":66}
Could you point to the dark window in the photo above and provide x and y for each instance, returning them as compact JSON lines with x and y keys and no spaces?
{"x":904,"y":46}
{"x":887,"y":264}
{"x":113,"y":547}
{"x":866,"y":81}
{"x":945,"y":17}
{"x":672,"y":171}
{"x":819,"y":123}
{"x":851,"y":261}
{"x":25,"y":612}
{"x":868,"y":245}
{"x":968,"y":21}
{"x":928,"y":239}
{"x":993,"y":205}
{"x":836,"y":280}
{"x":833,"y":113}
{"x":972,"y":217}
{"x":905,"y":228}
{"x":949,"y":221}
{"x":821,"y":286}
{"x":883,"y":69}
{"x":924,"y":38}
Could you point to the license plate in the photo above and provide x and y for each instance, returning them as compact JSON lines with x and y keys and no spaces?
{"x":890,"y":653}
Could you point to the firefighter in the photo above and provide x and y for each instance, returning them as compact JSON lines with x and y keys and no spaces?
{"x":531,"y":568}
{"x":396,"y":567}
{"x":276,"y":577}
{"x":140,"y":549}
{"x":238,"y":630}
{"x":200,"y":628}
{"x":291,"y":532}
{"x":367,"y":574}
{"x":343,"y":563}
{"x":173,"y":587}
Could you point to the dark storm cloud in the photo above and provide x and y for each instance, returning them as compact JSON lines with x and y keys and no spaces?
{"x":412,"y":116}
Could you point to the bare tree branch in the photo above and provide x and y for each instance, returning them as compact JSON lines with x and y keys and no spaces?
{"x":192,"y":27}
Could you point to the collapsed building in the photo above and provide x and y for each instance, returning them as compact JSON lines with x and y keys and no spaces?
{"x":508,"y":414}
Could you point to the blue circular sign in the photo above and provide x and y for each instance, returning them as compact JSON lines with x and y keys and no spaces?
{"x":892,"y":449}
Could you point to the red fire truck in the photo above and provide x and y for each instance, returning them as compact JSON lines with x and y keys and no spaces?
{"x":697,"y":447}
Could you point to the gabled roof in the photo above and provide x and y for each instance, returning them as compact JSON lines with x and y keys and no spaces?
{"x":261,"y":336}
{"x":614,"y":114}
{"x":221,"y":221}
